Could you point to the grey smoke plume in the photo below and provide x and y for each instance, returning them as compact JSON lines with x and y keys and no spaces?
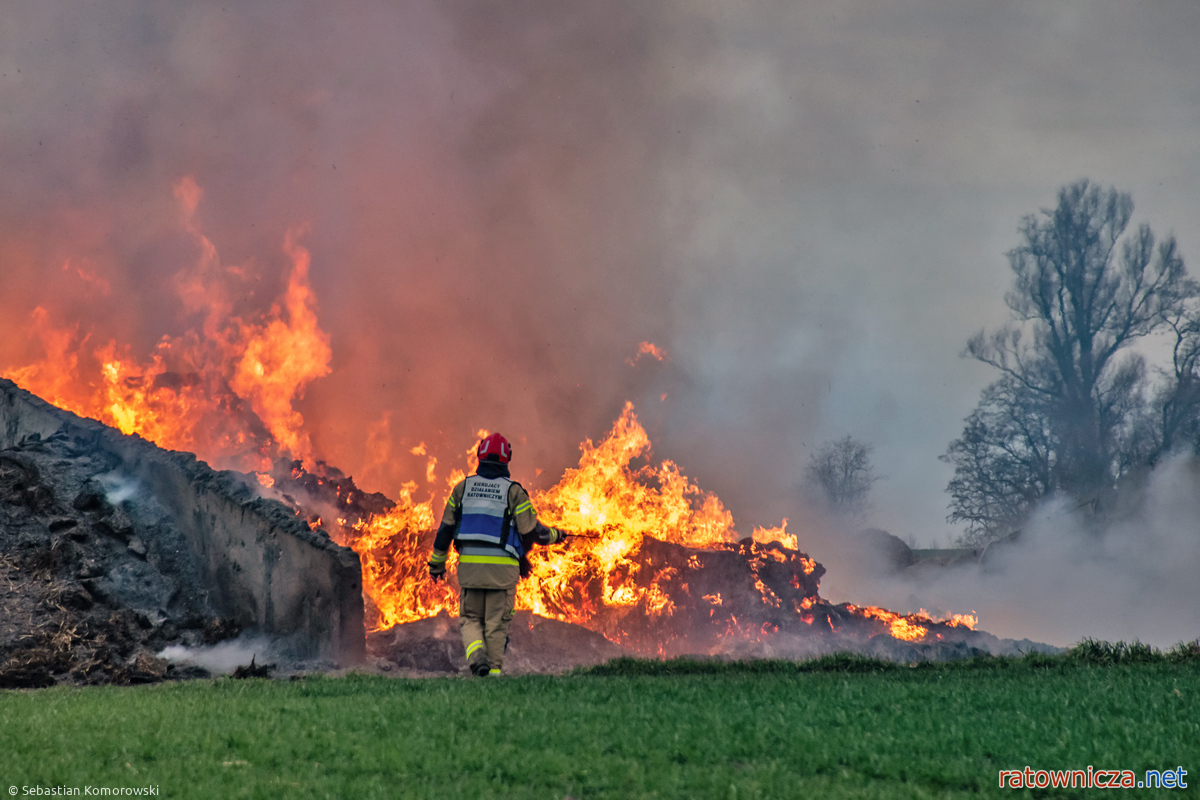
{"x":1059,"y":582}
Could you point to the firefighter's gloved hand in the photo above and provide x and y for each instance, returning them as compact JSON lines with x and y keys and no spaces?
{"x":436,"y":571}
{"x":560,"y":535}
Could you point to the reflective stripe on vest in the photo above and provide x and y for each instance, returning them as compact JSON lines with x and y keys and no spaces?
{"x":477,"y":554}
{"x":484,"y":514}
{"x":504,"y":559}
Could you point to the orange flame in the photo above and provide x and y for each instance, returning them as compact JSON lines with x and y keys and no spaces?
{"x":620,"y":505}
{"x":649,"y":349}
{"x":961,"y":620}
{"x":212,"y":393}
{"x":55,"y":377}
{"x":605,"y":497}
{"x":282,"y":356}
{"x":912,"y":627}
{"x":900,"y":626}
{"x":394,"y":549}
{"x":780,"y":534}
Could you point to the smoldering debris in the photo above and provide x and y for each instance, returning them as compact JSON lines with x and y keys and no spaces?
{"x":225,"y":658}
{"x":117,"y":488}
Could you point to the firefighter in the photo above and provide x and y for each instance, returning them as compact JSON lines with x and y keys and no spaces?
{"x":492,"y":524}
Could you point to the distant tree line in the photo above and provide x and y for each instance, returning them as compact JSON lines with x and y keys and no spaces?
{"x":1098,"y":373}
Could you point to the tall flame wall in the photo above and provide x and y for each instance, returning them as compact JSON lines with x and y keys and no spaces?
{"x":263,"y":567}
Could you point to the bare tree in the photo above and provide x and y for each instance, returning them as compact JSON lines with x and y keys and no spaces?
{"x":1003,"y":461}
{"x":1173,"y":422}
{"x":1068,"y":413}
{"x":842,"y":473}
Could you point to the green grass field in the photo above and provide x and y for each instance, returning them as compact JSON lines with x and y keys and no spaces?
{"x":838,"y":727}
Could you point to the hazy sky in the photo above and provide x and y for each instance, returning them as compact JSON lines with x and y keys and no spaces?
{"x":806,"y":204}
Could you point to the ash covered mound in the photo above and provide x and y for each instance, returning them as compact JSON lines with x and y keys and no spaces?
{"x":112,"y":549}
{"x":95,"y":576}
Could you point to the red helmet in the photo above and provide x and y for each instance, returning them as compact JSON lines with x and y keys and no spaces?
{"x":495,"y":445}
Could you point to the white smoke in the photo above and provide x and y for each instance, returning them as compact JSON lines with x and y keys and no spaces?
{"x":118,"y":488}
{"x":1059,"y":583}
{"x":224,"y":657}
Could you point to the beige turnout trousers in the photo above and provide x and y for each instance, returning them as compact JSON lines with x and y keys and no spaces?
{"x":483,"y":619}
